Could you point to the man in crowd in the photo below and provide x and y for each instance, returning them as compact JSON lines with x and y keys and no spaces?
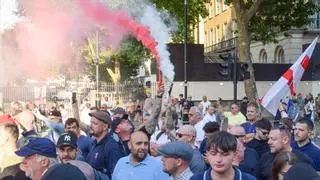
{"x":67,"y":148}
{"x":105,"y":151}
{"x":210,"y":116}
{"x":84,"y":142}
{"x":250,"y":158}
{"x":119,"y":112}
{"x":25,"y":120}
{"x":252,"y":117}
{"x":176,"y":157}
{"x":139,"y":165}
{"x":196,"y":121}
{"x":222,"y":147}
{"x":38,"y":155}
{"x":260,"y":139}
{"x":205,"y":104}
{"x":235,"y":117}
{"x":209,"y":128}
{"x":9,"y":161}
{"x":122,"y":130}
{"x":279,"y":141}
{"x":302,"y":134}
{"x":187,"y":134}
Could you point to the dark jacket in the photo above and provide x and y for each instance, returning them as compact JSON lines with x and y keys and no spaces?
{"x":104,"y":155}
{"x":301,"y":171}
{"x":312,"y":151}
{"x":260,"y":146}
{"x":237,"y":176}
{"x":266,"y":161}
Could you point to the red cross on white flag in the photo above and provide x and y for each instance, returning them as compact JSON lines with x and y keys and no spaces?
{"x":288,"y":81}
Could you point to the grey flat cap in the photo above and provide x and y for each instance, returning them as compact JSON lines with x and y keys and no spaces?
{"x":102,"y":116}
{"x":176,"y":149}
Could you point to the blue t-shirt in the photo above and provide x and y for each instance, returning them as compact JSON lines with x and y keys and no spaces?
{"x":84,"y":143}
{"x":149,"y":168}
{"x":248,"y":127}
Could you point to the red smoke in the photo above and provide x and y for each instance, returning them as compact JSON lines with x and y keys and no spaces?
{"x":102,"y":15}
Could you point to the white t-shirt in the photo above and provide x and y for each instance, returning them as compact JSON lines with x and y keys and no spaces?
{"x":205,"y":105}
{"x":200,"y":132}
{"x":209,"y":118}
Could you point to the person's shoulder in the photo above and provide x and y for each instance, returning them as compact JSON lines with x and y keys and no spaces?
{"x":197,"y":176}
{"x":246,"y":176}
{"x":266,"y":156}
{"x":123,"y":160}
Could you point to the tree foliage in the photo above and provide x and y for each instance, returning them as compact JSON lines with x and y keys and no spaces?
{"x":275,"y":16}
{"x":130,"y":55}
{"x":196,"y":8}
{"x":263,"y":20}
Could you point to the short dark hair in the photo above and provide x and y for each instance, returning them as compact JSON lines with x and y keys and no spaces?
{"x":283,"y":130}
{"x":307,"y":122}
{"x":13,"y":130}
{"x":253,"y":104}
{"x":211,"y":127}
{"x":222,"y":140}
{"x":264,"y":124}
{"x":70,"y":121}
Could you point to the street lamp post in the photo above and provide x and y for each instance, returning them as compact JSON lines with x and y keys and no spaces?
{"x":185,"y":47}
{"x":97,"y":69}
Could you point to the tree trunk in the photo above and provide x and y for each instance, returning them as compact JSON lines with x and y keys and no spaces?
{"x":243,"y":48}
{"x":115,"y":76}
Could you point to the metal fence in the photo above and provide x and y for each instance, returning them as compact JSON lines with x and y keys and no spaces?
{"x":121,"y":92}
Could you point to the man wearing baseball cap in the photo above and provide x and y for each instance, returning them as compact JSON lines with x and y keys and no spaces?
{"x":67,"y":148}
{"x":38,"y":155}
{"x":105,"y":151}
{"x":122,"y":129}
{"x":176,"y":157}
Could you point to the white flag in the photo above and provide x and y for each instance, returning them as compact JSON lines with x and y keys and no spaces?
{"x":288,"y":81}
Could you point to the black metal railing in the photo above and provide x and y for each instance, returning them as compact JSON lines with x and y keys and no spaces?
{"x":221,"y":46}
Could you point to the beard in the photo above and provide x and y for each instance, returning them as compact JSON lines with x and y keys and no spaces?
{"x":139,"y":156}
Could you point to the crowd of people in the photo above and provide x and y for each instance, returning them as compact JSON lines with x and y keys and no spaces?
{"x":185,"y":140}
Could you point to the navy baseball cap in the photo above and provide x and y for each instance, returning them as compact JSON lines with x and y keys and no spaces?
{"x":64,"y":172}
{"x":41,"y":146}
{"x":67,"y":139}
{"x":176,"y":149}
{"x":119,"y":110}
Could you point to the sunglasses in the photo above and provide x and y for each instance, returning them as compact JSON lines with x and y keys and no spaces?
{"x":264,"y":133}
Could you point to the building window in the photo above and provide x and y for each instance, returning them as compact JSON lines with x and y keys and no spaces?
{"x":205,"y":39}
{"x":211,"y":37}
{"x":225,"y":31}
{"x":263,"y":57}
{"x":210,"y":10}
{"x":218,"y":34}
{"x":218,"y":7}
{"x":279,"y":55}
{"x":224,"y":6}
{"x":233,"y":27}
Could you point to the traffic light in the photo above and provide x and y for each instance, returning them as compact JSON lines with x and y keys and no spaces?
{"x":244,"y":72}
{"x":225,"y":66}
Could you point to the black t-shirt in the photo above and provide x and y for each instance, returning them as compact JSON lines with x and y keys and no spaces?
{"x":266,"y":161}
{"x":260,"y":146}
